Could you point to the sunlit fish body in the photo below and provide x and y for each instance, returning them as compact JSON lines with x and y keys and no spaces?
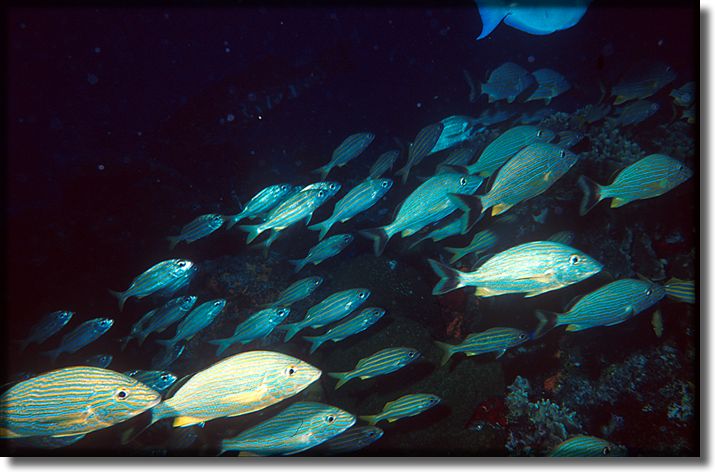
{"x":408,"y":405}
{"x":348,"y":150}
{"x":421,"y":147}
{"x":680,"y":290}
{"x":158,"y":319}
{"x":258,"y":325}
{"x":197,"y":229}
{"x":532,"y":18}
{"x":100,"y":360}
{"x":262,"y":202}
{"x":496,"y":340}
{"x":297,"y":291}
{"x":155,"y":278}
{"x":382,"y":362}
{"x":325,"y":249}
{"x":354,"y":439}
{"x":507,"y":82}
{"x":481,"y":242}
{"x":384,"y":163}
{"x":48,"y":326}
{"x":551,"y":84}
{"x":586,"y":446}
{"x":635,"y":112}
{"x":457,"y":129}
{"x":355,"y":325}
{"x":642,"y":80}
{"x":506,"y":145}
{"x":684,"y":96}
{"x":82,"y":335}
{"x":158,"y":380}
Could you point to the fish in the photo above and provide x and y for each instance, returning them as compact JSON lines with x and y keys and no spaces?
{"x":421,"y":147}
{"x":481,"y":242}
{"x":456,"y":130}
{"x":534,"y":19}
{"x":334,"y":308}
{"x":348,"y":150}
{"x":593,"y":113}
{"x":407,"y":405}
{"x":237,"y":385}
{"x":354,"y":439}
{"x":493,"y":116}
{"x":650,"y":177}
{"x":177,"y":284}
{"x":507,"y":82}
{"x":258,"y":325}
{"x":551,"y":84}
{"x":496,"y":340}
{"x":72,"y":401}
{"x":166,"y":357}
{"x":359,"y":199}
{"x":48,"y":326}
{"x":459,"y":157}
{"x":531,"y":268}
{"x":563,"y":237}
{"x":635,"y":112}
{"x":50,"y":442}
{"x":680,"y":290}
{"x":382,"y":362}
{"x":297,"y":291}
{"x":261,"y":202}
{"x":531,"y":172}
{"x":689,"y":115}
{"x":197,"y":319}
{"x":569,"y":138}
{"x":158,"y":319}
{"x":100,"y":360}
{"x":199,"y":228}
{"x":584,"y":446}
{"x":323,"y":250}
{"x":537,"y":116}
{"x":159,"y":380}
{"x":82,"y":335}
{"x":453,"y":227}
{"x":301,"y":426}
{"x":506,"y":145}
{"x":428,"y":203}
{"x":384,"y":163}
{"x":684,"y":96}
{"x":155,"y":278}
{"x":355,"y":325}
{"x":642,"y":80}
{"x":331,"y":188}
{"x":657,"y":323}
{"x":609,"y":305}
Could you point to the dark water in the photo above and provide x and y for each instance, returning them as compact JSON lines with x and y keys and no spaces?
{"x":124,"y":125}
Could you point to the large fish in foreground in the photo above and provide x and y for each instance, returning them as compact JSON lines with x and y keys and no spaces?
{"x":382,"y":362}
{"x":496,"y":340}
{"x":649,"y":177}
{"x":348,"y":150}
{"x":531,"y":268}
{"x":407,"y":405}
{"x":323,"y":250}
{"x":258,"y":325}
{"x":506,"y":145}
{"x":531,"y":17}
{"x":199,"y":228}
{"x":261,"y":202}
{"x":155,"y":278}
{"x":72,"y":401}
{"x":48,"y":326}
{"x":87,"y":332}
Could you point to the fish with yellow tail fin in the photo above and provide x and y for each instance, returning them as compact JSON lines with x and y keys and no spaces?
{"x":680,"y":290}
{"x":404,"y":407}
{"x":496,"y":340}
{"x":382,"y":362}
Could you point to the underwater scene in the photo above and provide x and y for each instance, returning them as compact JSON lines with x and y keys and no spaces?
{"x":459,"y":229}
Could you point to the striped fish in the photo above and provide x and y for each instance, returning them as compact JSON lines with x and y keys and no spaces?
{"x":493,"y":116}
{"x":355,"y":325}
{"x":158,"y":319}
{"x":384,"y":163}
{"x":301,"y":426}
{"x":166,"y":357}
{"x":563,"y":237}
{"x":362,"y":197}
{"x":592,"y":113}
{"x":84,"y":334}
{"x":481,"y":242}
{"x":421,"y":147}
{"x":237,"y":385}
{"x":176,"y":285}
{"x":197,"y":229}
{"x":507,"y":145}
{"x":550,"y":83}
{"x":496,"y":340}
{"x":297,"y":291}
{"x":48,"y":326}
{"x":258,"y":325}
{"x":155,"y":278}
{"x":428,"y":203}
{"x":680,"y":290}
{"x":636,"y":112}
{"x":323,"y":250}
{"x":348,"y":150}
{"x":354,"y":439}
{"x":158,"y":380}
{"x":685,"y":95}
{"x":528,"y":118}
{"x":404,"y":407}
{"x":49,"y":442}
{"x":453,"y":227}
{"x":609,"y":305}
{"x":531,"y":268}
{"x":199,"y":318}
{"x":507,"y":82}
{"x":100,"y":360}
{"x":331,"y":188}
{"x":382,"y":362}
{"x":649,"y":177}
{"x":72,"y":401}
{"x":459,"y":157}
{"x":457,"y":129}
{"x":334,"y":308}
{"x":261,"y":202}
{"x":584,"y":446}
{"x":642,"y":80}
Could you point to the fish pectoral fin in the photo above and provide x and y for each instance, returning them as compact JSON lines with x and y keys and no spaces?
{"x":484,"y":292}
{"x":470,"y":353}
{"x":248,"y":454}
{"x":575,"y":327}
{"x":364,"y":377}
{"x":253,"y":396}
{"x":181,"y":421}
{"x":500,"y":208}
{"x":7,"y":434}
{"x":500,"y":353}
{"x":547,"y":176}
{"x":618,"y":202}
{"x":407,"y":232}
{"x":392,"y":420}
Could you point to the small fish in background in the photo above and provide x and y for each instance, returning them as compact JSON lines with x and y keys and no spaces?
{"x":508,"y":82}
{"x":494,"y":116}
{"x":551,"y":84}
{"x":530,"y":118}
{"x":158,"y":319}
{"x":197,"y":319}
{"x":348,"y":150}
{"x":178,"y":284}
{"x":421,"y":147}
{"x":82,"y":335}
{"x":301,"y":426}
{"x":404,"y":407}
{"x":684,"y":96}
{"x":481,"y":242}
{"x":635,"y":112}
{"x":680,"y":290}
{"x":586,"y":446}
{"x":384,"y":163}
{"x":593,"y":113}
{"x":567,"y":139}
{"x":649,"y":177}
{"x":563,"y":237}
{"x":506,"y":145}
{"x":237,"y":385}
{"x":354,"y":439}
{"x":609,"y":305}
{"x":642,"y":80}
{"x":459,"y":157}
{"x":453,"y":227}
{"x":533,"y":19}
{"x":48,"y":326}
{"x":496,"y":340}
{"x":100,"y":360}
{"x":324,"y":250}
{"x":531,"y":268}
{"x":56,"y":403}
{"x":334,"y":308}
{"x":357,"y":324}
{"x":261,"y":202}
{"x":689,"y":115}
{"x":297,"y":291}
{"x":159,"y":380}
{"x":258,"y":325}
{"x":199,"y":228}
{"x":456,"y":130}
{"x":382,"y":362}
{"x":154,"y":279}
{"x":359,"y":199}
{"x":166,"y":357}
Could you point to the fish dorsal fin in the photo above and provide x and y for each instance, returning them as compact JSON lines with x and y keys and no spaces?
{"x":571,"y":303}
{"x":177,"y":385}
{"x":481,"y":261}
{"x":643,"y":277}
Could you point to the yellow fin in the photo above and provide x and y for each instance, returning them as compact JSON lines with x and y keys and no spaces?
{"x":364,"y":377}
{"x":547,"y":176}
{"x":484,"y":292}
{"x":619,"y":99}
{"x":392,"y":420}
{"x":500,"y":208}
{"x":539,"y":292}
{"x":470,"y":354}
{"x":248,"y":454}
{"x":7,"y":434}
{"x":245,"y":397}
{"x":407,"y":232}
{"x":181,"y":421}
{"x":618,"y":202}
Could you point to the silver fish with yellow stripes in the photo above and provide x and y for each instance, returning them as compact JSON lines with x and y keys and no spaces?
{"x":84,"y":334}
{"x":457,"y":129}
{"x":649,"y":177}
{"x":609,"y":305}
{"x":481,"y":242}
{"x":325,"y":249}
{"x":261,"y":202}
{"x":199,"y":318}
{"x":155,"y":278}
{"x":496,"y":340}
{"x":72,"y":401}
{"x":237,"y":385}
{"x":428,"y":203}
{"x":348,"y":150}
{"x":199,"y":228}
{"x":334,"y":308}
{"x":421,"y":147}
{"x":507,"y":82}
{"x":445,"y":230}
{"x":158,"y":380}
{"x":360,"y":198}
{"x":531,"y":268}
{"x":407,"y":405}
{"x":297,"y":291}
{"x":258,"y":325}
{"x":355,"y":325}
{"x":507,"y":145}
{"x":550,"y":84}
{"x":586,"y":446}
{"x":384,"y":163}
{"x":301,"y":426}
{"x":158,"y":319}
{"x":382,"y":362}
{"x":680,"y":290}
{"x":48,"y":326}
{"x":642,"y":80}
{"x":354,"y":439}
{"x":635,"y":112}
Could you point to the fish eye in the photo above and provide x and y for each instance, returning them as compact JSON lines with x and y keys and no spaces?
{"x":332,"y":186}
{"x":411,"y":354}
{"x":649,"y":291}
{"x":539,"y":133}
{"x":164,"y":377}
{"x":181,"y":264}
{"x":217,"y":303}
{"x":121,"y":394}
{"x":329,"y":419}
{"x":362,"y":294}
{"x":317,"y":281}
{"x":284,"y":187}
{"x":463,"y":181}
{"x":384,"y":183}
{"x":562,"y":153}
{"x":321,"y":193}
{"x":290,"y":371}
{"x":522,"y":336}
{"x":574,"y":259}
{"x":606,"y":451}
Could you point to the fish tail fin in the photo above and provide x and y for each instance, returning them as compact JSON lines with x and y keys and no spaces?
{"x":456,"y":252}
{"x":491,"y":13}
{"x":450,"y":279}
{"x":222,"y":344}
{"x":472,"y":207}
{"x":591,"y":194}
{"x":291,"y":330}
{"x":448,"y":351}
{"x":53,"y":354}
{"x":173,"y":241}
{"x":252,"y":230}
{"x":404,"y":172}
{"x":323,"y":171}
{"x":371,"y":419}
{"x":298,"y":263}
{"x":379,"y":238}
{"x":316,"y":342}
{"x":232,"y":220}
{"x":323,"y":227}
{"x":341,"y":376}
{"x":121,"y":297}
{"x":548,"y":320}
